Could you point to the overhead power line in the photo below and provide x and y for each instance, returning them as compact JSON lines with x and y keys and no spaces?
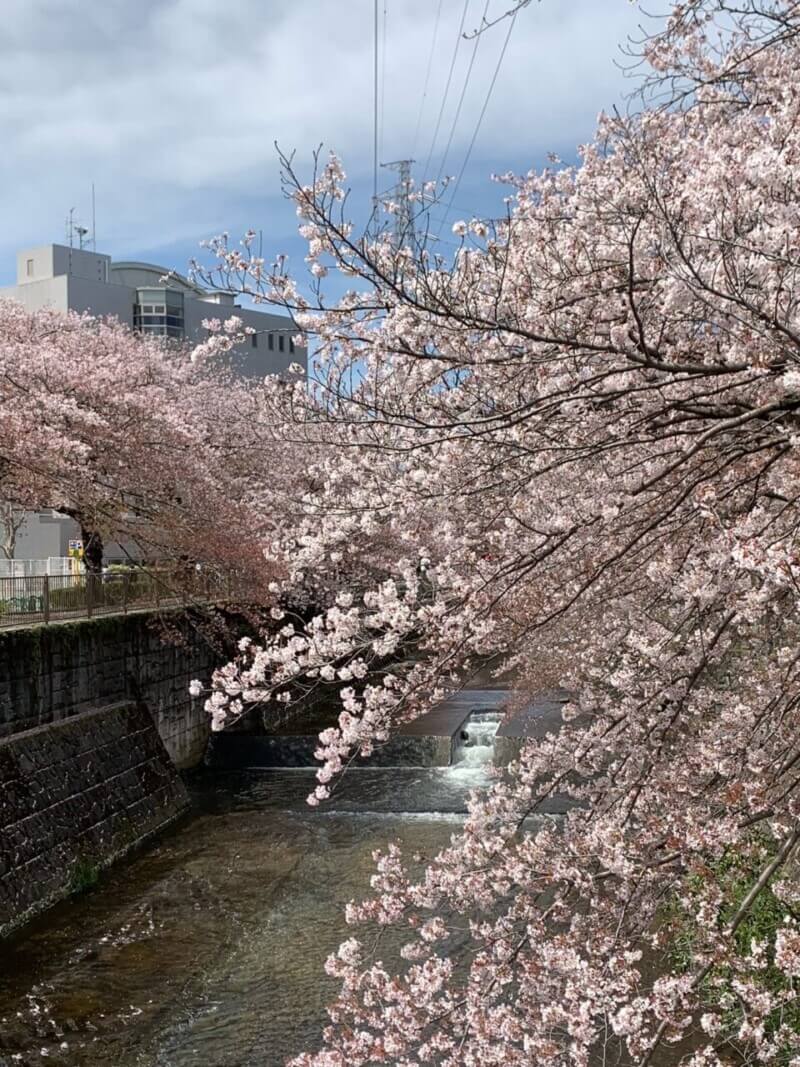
{"x":511,"y":13}
{"x":478,"y":124}
{"x":464,"y":87}
{"x":375,"y":111}
{"x":446,"y":90}
{"x":427,"y":77}
{"x":383,"y":78}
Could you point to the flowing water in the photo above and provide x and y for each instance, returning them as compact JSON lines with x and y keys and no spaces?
{"x":208,"y":948}
{"x":476,"y":740}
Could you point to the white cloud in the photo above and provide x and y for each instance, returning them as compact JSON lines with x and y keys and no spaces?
{"x":172,"y":107}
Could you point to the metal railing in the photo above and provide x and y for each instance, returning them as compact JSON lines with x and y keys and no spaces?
{"x":46,"y":598}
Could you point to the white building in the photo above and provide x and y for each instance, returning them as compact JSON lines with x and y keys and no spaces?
{"x":149,"y":298}
{"x":153,"y":300}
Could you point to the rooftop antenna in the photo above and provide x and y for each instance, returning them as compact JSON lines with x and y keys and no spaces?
{"x":70,"y":226}
{"x":94,"y":224}
{"x":404,"y":219}
{"x":81,"y":232}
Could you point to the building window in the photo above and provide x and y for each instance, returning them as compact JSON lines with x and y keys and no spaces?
{"x":280,"y":341}
{"x":291,"y":344}
{"x":254,"y":340}
{"x":271,"y":342}
{"x":159,"y":312}
{"x":29,"y":268}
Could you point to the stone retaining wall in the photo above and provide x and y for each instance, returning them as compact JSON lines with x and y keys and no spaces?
{"x":49,"y":673}
{"x":76,"y":795}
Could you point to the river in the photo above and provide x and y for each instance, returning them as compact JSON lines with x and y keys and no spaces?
{"x":208,"y":947}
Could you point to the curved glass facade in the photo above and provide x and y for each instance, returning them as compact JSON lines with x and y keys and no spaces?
{"x":159,"y":312}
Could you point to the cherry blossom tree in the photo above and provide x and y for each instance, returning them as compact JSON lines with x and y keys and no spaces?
{"x":571,"y":450}
{"x":139,"y":441}
{"x":12,"y":516}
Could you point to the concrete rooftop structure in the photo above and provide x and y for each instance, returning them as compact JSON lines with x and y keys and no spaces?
{"x":151,"y":299}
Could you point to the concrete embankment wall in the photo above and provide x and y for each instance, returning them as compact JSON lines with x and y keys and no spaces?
{"x":95,"y":720}
{"x":77,"y":795}
{"x":49,"y":673}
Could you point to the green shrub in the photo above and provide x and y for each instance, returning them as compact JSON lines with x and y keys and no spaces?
{"x":68,"y":598}
{"x":84,"y":875}
{"x":735,"y":874}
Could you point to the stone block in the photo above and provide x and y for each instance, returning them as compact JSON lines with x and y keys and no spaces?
{"x":50,"y":673}
{"x":78,"y":794}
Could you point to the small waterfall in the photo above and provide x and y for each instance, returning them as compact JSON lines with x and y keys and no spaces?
{"x":476,"y":740}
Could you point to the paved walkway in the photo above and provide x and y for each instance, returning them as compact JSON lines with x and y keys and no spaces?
{"x":56,"y":617}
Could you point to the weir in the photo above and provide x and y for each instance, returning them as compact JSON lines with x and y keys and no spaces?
{"x":432,"y":740}
{"x":475,"y":745}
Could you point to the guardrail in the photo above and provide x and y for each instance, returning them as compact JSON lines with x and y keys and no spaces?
{"x":46,"y":598}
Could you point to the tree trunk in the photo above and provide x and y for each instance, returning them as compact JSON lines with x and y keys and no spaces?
{"x":92,"y":542}
{"x":92,"y":550}
{"x":9,"y":543}
{"x":11,"y":520}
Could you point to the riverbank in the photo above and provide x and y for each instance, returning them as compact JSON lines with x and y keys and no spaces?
{"x":209,"y":948}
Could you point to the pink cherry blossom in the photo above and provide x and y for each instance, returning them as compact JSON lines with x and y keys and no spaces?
{"x":570,"y":451}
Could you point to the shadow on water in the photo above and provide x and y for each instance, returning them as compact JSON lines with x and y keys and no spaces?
{"x":208,"y":949}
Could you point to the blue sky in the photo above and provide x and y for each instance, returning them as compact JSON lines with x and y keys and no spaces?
{"x":172,"y":108}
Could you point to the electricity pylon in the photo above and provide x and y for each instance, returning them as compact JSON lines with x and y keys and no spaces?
{"x":401,"y":194}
